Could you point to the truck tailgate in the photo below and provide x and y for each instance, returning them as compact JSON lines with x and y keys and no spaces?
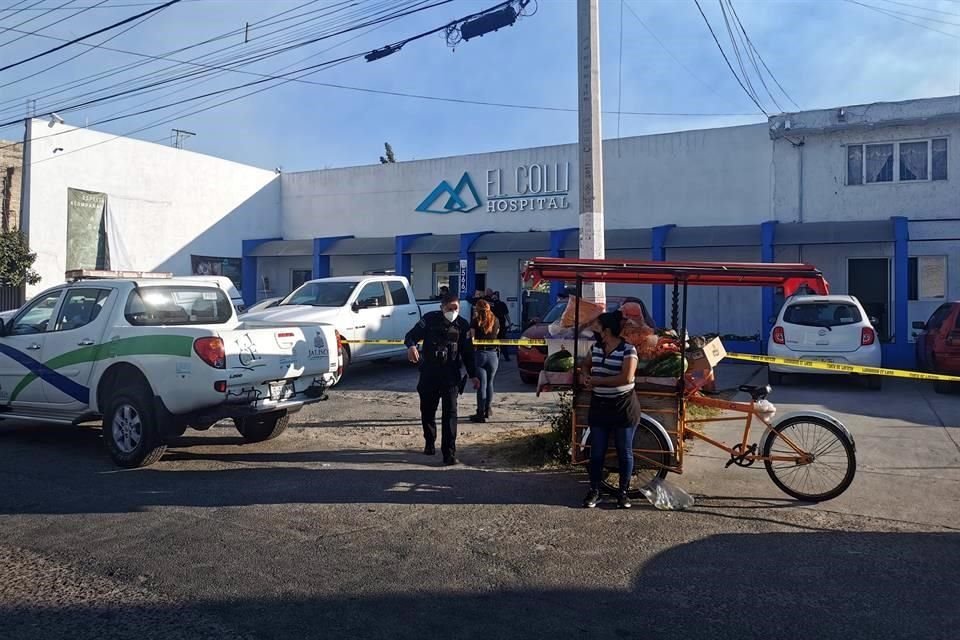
{"x":261,"y":354}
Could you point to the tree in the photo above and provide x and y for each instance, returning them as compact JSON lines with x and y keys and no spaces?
{"x":16,"y":260}
{"x":389,"y":159}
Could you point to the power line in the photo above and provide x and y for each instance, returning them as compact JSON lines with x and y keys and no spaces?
{"x":727,"y":60}
{"x":204,"y":68}
{"x":669,"y":52}
{"x":896,"y":17}
{"x":736,"y":50}
{"x":45,"y":10}
{"x":148,"y":59}
{"x":81,"y":53}
{"x":249,"y":59}
{"x":921,"y":8}
{"x":90,"y":35}
{"x":760,"y":57}
{"x":918,"y":17}
{"x":47,"y":26}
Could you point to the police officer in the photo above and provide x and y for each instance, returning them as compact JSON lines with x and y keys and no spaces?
{"x":446,"y":346}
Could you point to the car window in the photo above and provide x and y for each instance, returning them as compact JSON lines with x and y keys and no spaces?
{"x":956,"y":324}
{"x":372,"y":295}
{"x":159,"y":306}
{"x":822,"y":314}
{"x":81,"y":307}
{"x":37,"y":317}
{"x":398,"y":293}
{"x":938,"y":317}
{"x":321,"y":294}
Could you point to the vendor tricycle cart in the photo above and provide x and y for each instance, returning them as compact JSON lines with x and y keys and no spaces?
{"x":809,"y":455}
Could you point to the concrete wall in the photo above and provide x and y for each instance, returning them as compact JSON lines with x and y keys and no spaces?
{"x":827,"y":197}
{"x":168,"y":203}
{"x":279,"y":271}
{"x":356,"y":265}
{"x":676,"y":178}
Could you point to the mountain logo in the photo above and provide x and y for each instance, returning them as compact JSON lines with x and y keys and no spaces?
{"x":446,"y":199}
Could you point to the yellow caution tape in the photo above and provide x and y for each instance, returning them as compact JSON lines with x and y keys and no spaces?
{"x":523,"y":342}
{"x":821,"y":365}
{"x":817,"y":365}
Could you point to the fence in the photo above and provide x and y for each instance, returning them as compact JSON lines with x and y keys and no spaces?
{"x":10,"y":298}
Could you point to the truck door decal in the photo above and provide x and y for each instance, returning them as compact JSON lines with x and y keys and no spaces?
{"x":39,"y":370}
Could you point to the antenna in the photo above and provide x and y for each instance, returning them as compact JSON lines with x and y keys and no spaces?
{"x":179,"y":135}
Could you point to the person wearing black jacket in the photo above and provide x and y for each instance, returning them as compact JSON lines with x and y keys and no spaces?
{"x":446,"y":347}
{"x":502,"y":313}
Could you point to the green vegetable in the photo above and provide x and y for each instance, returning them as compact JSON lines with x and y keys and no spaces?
{"x":670,"y":365}
{"x":559,"y":362}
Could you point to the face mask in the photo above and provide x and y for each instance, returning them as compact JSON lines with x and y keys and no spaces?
{"x":450,"y":315}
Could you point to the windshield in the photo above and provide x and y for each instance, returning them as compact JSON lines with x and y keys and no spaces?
{"x":158,"y":306}
{"x":557,"y":310}
{"x":822,"y":314}
{"x":321,"y":294}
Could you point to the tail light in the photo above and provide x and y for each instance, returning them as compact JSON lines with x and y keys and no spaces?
{"x":211,"y":351}
{"x":778,"y":335}
{"x":339,"y":353}
{"x":867,"y":336}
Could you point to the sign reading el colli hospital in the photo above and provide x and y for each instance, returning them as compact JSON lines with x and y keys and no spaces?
{"x":528,"y":187}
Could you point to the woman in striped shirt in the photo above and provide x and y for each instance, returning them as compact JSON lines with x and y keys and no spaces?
{"x":614,"y":408}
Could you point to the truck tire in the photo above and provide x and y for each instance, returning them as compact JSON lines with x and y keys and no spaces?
{"x":130,"y":430}
{"x":262,"y":428}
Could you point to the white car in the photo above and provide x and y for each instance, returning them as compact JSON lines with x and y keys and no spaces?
{"x":262,"y":305}
{"x":830,"y":328}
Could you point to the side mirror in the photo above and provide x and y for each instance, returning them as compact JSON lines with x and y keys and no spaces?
{"x":356,"y":307}
{"x":5,"y":327}
{"x":920,"y":325}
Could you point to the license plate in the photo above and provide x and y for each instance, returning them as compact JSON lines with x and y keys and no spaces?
{"x":280,"y":391}
{"x":826,"y":359}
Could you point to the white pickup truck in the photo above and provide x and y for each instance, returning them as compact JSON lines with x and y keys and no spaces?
{"x":153,"y":357}
{"x":359,"y":307}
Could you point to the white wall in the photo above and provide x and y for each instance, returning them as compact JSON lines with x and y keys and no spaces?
{"x":935,"y":239}
{"x":677,"y":178}
{"x":356,"y":265}
{"x":279,"y":271}
{"x":723,"y":310}
{"x":827,"y":197}
{"x":169,"y":203}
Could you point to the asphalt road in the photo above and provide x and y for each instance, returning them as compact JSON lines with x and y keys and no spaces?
{"x":340,"y":528}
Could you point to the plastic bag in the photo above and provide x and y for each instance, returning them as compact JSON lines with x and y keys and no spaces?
{"x":767,"y":409}
{"x":666,"y":497}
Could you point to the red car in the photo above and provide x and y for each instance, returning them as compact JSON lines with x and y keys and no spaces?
{"x":530,"y":359}
{"x":938,"y":344}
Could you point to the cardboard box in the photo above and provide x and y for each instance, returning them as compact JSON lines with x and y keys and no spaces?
{"x":708,"y":357}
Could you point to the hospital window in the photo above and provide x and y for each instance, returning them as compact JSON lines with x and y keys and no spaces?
{"x":908,"y":161}
{"x":927,"y":278}
{"x":447,"y":274}
{"x":298,"y":277}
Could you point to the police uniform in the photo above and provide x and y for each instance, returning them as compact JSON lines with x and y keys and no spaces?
{"x":446,"y":346}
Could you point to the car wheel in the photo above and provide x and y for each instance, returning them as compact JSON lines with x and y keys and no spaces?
{"x":130,"y":430}
{"x":264,"y":427}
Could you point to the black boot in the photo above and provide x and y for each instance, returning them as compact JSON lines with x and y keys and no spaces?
{"x":479,"y":416}
{"x":429,"y":449}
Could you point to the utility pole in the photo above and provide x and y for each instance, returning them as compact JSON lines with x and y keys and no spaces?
{"x":591,"y":142}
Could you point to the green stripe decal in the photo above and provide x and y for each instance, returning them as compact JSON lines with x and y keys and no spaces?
{"x":156,"y":345}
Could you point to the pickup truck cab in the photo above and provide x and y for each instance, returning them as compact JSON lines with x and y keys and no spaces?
{"x":153,"y":357}
{"x":358,"y":307}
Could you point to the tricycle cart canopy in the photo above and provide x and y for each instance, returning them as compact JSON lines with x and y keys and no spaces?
{"x":791,"y":277}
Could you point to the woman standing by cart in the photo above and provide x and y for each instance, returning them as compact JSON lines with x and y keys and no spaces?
{"x":614,"y":408}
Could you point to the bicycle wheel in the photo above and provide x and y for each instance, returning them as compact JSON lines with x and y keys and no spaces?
{"x":834,"y":462}
{"x":646,"y":466}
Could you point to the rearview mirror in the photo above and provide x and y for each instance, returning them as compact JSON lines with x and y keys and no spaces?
{"x":5,"y":326}
{"x":920,"y":325}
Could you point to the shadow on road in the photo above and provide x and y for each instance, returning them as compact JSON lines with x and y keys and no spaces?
{"x":731,"y":586}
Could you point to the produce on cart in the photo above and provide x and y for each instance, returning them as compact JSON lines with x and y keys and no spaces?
{"x":682,"y":366}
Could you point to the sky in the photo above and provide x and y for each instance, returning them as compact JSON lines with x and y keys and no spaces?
{"x":657,"y":57}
